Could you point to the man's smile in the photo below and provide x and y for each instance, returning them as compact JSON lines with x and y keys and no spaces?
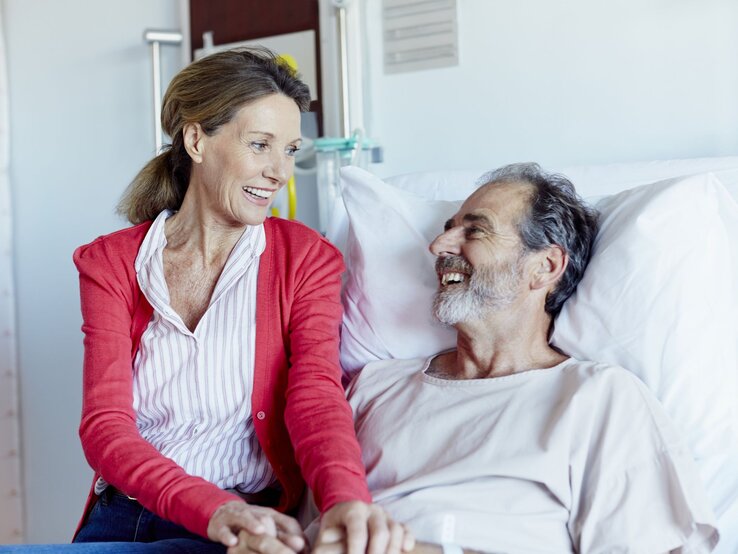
{"x":452,"y":278}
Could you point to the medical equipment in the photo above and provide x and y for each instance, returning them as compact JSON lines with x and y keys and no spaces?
{"x":331,"y":155}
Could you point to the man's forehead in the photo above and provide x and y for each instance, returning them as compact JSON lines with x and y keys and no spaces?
{"x":497,"y":199}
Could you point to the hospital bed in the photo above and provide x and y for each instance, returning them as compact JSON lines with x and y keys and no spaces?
{"x":660,"y":296}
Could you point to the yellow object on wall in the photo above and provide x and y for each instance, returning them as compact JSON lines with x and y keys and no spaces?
{"x":291,"y":188}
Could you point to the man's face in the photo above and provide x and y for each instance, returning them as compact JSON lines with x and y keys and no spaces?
{"x":480,"y":261}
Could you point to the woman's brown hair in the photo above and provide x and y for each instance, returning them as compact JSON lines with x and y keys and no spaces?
{"x":209,"y":91}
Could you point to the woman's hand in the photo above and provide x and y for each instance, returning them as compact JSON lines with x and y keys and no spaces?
{"x":245,"y":528}
{"x":357,"y":528}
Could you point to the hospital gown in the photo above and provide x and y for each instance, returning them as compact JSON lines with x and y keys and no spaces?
{"x":578,"y":457}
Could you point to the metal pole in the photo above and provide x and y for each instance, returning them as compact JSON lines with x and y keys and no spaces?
{"x":156,"y":67}
{"x":156,"y":38}
{"x":343,"y":54}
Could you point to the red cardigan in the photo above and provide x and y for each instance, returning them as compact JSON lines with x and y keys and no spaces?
{"x":302,"y":420}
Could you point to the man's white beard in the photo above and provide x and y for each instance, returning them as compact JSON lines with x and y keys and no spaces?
{"x":489,"y":289}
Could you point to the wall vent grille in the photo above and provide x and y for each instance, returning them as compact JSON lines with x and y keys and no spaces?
{"x":419,"y":34}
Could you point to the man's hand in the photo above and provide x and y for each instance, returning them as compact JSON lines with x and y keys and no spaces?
{"x":244,"y":528}
{"x":358,"y":528}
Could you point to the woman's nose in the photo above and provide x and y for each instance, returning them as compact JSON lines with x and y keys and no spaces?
{"x":279,"y":167}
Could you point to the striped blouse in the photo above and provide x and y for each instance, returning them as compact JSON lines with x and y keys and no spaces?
{"x":192,"y":390}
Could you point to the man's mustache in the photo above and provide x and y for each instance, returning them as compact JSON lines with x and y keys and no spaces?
{"x":457,"y":264}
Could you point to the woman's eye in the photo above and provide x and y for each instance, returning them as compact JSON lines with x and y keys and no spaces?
{"x":259,"y":146}
{"x":292,"y":150}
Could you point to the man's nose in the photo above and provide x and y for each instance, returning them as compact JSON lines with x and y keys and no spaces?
{"x":448,"y":243}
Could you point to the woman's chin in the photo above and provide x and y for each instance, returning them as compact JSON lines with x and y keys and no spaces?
{"x":254,"y":215}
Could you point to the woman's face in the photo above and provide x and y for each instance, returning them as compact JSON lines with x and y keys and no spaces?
{"x":237,"y":170}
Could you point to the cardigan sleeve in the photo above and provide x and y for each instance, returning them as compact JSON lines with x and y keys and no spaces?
{"x":317,"y":416}
{"x":110,"y":439}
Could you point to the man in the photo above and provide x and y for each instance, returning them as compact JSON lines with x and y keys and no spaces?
{"x":506,"y":444}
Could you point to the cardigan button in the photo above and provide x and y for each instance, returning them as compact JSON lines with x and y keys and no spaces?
{"x":260,"y":415}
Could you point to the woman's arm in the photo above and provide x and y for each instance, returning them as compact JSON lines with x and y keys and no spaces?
{"x":317,"y":416}
{"x":110,"y":439}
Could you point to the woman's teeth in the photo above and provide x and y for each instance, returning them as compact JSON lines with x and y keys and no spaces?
{"x":261,"y":193}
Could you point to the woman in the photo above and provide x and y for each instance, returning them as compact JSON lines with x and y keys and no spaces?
{"x":211,"y":378}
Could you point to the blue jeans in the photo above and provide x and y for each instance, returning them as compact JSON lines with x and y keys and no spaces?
{"x":118,"y":525}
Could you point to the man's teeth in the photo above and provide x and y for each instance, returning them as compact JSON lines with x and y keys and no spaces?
{"x":448,"y":278}
{"x":261,"y":193}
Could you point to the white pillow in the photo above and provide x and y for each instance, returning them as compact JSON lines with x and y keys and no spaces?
{"x":390,"y":280}
{"x":591,"y":180}
{"x":657,"y":298}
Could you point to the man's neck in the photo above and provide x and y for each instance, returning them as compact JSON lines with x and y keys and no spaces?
{"x":498,"y":346}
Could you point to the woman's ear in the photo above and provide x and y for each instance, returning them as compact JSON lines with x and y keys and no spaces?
{"x":193,"y":135}
{"x":549,"y":266}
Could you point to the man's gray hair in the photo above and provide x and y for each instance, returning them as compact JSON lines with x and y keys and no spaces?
{"x":556,"y":216}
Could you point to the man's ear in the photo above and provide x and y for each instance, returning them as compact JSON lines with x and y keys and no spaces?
{"x":550,"y":264}
{"x":193,"y":137}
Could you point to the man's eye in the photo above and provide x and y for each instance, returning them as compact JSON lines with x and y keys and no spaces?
{"x":470,"y":231}
{"x":259,"y":146}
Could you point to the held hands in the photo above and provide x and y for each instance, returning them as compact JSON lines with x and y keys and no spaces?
{"x":357,"y":528}
{"x":347,"y":528}
{"x":244,"y":528}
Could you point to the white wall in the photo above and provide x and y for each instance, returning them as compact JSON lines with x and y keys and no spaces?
{"x":563,"y":83}
{"x":81,"y":126}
